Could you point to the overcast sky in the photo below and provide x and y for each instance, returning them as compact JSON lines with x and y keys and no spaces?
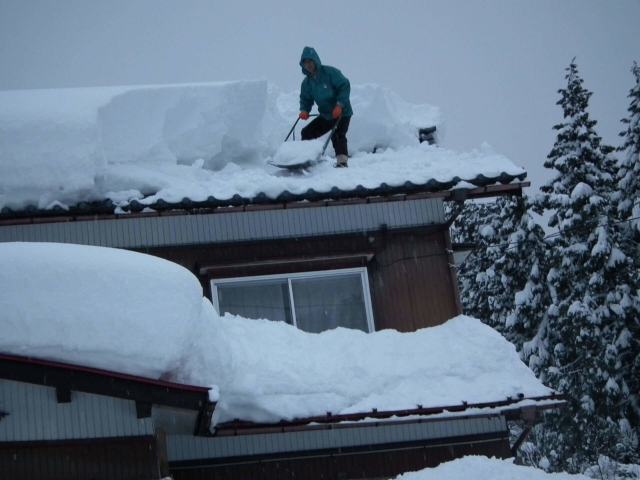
{"x":493,"y":66}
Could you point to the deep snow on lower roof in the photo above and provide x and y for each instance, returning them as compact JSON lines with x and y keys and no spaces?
{"x":137,"y":314}
{"x":154,"y":145}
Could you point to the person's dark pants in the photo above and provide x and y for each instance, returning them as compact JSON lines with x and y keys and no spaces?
{"x":320,"y":125}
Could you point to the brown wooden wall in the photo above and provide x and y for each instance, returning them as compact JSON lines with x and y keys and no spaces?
{"x":132,"y":458}
{"x":379,"y":464}
{"x":412,"y":285}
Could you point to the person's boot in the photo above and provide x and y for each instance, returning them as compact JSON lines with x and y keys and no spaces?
{"x":342,"y":160}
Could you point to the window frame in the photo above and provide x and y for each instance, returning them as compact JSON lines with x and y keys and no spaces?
{"x":364,"y":283}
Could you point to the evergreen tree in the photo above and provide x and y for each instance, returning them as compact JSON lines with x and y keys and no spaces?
{"x":627,"y":199}
{"x":576,"y":349}
{"x":523,"y":268}
{"x":629,"y":173}
{"x":477,"y":224}
{"x":500,"y":281}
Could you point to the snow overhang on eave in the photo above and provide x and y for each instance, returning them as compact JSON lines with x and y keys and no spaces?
{"x":146,"y":392}
{"x":524,"y":408}
{"x":310,"y":199}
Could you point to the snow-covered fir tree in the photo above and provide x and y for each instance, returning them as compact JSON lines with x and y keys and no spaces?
{"x":578,"y":347}
{"x":523,"y":268}
{"x":627,"y":200}
{"x":629,"y":173}
{"x":500,"y":281}
{"x":477,"y":224}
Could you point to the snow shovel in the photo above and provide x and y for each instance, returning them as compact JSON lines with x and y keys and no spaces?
{"x":303,"y":165}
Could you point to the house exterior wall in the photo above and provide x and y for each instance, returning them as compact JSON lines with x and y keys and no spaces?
{"x":377,"y":450}
{"x":35,"y":415}
{"x":123,"y":458}
{"x":182,"y":448}
{"x":347,"y":465}
{"x":410,"y":275}
{"x":227,"y":226}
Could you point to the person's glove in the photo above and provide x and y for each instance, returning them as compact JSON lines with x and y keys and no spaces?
{"x":304,"y":115}
{"x":337,"y":111}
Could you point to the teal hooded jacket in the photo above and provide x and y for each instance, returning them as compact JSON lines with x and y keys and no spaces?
{"x":327,"y":87}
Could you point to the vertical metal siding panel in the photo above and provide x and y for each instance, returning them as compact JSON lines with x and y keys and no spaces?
{"x":137,"y":240}
{"x":255,"y":225}
{"x":99,"y":232}
{"x":276,"y":222}
{"x":168,"y":230}
{"x":215,"y":228}
{"x":220,"y":229}
{"x":126,"y":232}
{"x":186,"y":228}
{"x":173,"y":225}
{"x":133,"y":232}
{"x":194,"y":230}
{"x":144,"y":232}
{"x":183,"y":229}
{"x":93,"y":239}
{"x":201,"y":229}
{"x":232,"y":227}
{"x":109,"y":233}
{"x":84,"y":232}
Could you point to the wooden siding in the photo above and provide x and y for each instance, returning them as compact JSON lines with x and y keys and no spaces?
{"x":232,"y":226}
{"x":383,"y":463}
{"x":411,"y":283}
{"x":35,"y":414}
{"x":131,"y":458}
{"x":410,"y":275}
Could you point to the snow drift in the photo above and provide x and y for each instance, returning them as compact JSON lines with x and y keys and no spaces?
{"x":134,"y":313}
{"x":63,"y":147}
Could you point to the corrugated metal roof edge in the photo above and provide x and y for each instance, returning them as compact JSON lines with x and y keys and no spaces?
{"x":107,"y":207}
{"x":555,"y":400}
{"x":101,"y":373}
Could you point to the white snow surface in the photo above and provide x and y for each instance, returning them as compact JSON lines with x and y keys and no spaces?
{"x":483,"y":468}
{"x":62,"y":147}
{"x":134,"y":313}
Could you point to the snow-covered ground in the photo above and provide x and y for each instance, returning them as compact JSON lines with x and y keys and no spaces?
{"x":483,"y":468}
{"x":62,"y":147}
{"x":139,"y":314}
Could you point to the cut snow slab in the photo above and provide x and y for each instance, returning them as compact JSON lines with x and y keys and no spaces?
{"x":293,"y":153}
{"x":134,"y":313}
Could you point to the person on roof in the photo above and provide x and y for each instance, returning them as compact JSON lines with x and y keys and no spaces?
{"x":329,"y":89}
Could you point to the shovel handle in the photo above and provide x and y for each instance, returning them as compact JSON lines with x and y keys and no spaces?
{"x":294,"y":126}
{"x":333,"y":130}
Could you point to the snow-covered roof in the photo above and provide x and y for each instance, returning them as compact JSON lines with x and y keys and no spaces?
{"x":129,"y":312}
{"x":127,"y":148}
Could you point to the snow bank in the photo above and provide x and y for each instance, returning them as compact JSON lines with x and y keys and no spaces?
{"x":270,"y":371}
{"x":482,"y":468}
{"x":135,"y":313}
{"x":95,"y":306}
{"x":62,"y":147}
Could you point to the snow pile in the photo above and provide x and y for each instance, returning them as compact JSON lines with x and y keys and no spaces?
{"x":62,"y":147}
{"x":130,"y":312}
{"x":95,"y":306}
{"x":270,"y":371}
{"x":483,"y":468}
{"x":296,"y":152}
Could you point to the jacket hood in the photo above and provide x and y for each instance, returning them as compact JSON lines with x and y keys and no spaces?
{"x":309,"y":53}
